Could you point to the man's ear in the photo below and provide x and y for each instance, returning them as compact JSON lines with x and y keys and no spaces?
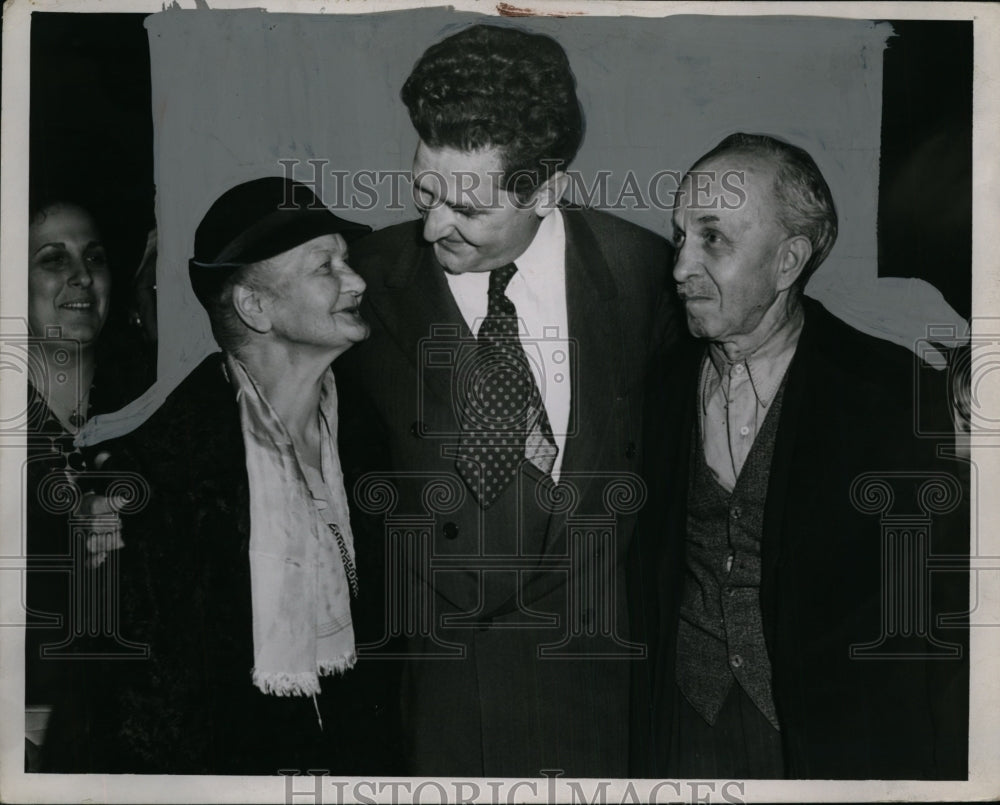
{"x":548,"y":193}
{"x":793,"y":255}
{"x":250,"y":305}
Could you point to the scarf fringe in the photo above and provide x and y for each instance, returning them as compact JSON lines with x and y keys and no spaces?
{"x":305,"y":684}
{"x":337,"y":665}
{"x":283,"y":684}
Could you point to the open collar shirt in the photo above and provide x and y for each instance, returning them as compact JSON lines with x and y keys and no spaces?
{"x":735,"y":397}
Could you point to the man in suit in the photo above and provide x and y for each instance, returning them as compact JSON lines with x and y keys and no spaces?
{"x":793,"y":643}
{"x":504,"y":372}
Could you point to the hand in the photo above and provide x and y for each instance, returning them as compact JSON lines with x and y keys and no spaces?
{"x":104,"y":527}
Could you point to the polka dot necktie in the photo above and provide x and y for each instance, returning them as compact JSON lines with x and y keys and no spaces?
{"x":503,"y":417}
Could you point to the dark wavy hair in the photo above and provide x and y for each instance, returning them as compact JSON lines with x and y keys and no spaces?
{"x":805,"y":203}
{"x":496,"y":87}
{"x":39,"y":206}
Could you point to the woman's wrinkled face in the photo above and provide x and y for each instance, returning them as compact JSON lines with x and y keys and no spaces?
{"x":313,"y":296}
{"x":69,"y":282}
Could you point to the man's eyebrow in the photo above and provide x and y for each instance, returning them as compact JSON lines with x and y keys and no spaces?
{"x":438,"y":199}
{"x":425,"y":189}
{"x":707,"y":219}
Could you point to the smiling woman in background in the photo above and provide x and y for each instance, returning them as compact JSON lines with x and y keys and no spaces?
{"x":69,"y":293}
{"x":70,"y":377}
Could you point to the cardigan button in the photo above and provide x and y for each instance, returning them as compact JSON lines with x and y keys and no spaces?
{"x":630,"y":450}
{"x":416,"y":429}
{"x":450,"y":530}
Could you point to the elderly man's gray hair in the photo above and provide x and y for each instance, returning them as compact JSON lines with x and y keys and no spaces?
{"x":805,"y":204}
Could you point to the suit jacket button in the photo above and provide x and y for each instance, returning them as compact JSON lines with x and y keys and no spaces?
{"x":630,"y":450}
{"x":450,"y":530}
{"x":416,"y":429}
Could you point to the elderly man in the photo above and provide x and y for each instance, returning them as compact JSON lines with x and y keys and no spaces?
{"x":510,"y":336}
{"x":780,"y":433}
{"x":240,"y":574}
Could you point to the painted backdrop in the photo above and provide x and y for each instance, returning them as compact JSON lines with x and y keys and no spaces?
{"x":241,"y":94}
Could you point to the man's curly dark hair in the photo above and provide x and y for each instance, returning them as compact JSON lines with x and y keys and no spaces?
{"x":491,"y":86}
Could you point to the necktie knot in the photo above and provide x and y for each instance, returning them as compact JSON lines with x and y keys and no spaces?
{"x":500,"y":278}
{"x":501,"y":315}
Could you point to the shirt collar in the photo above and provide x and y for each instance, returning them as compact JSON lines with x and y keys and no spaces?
{"x":546,"y":249}
{"x":766,"y":365}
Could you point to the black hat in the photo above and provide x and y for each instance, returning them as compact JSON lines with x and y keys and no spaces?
{"x":260,"y":219}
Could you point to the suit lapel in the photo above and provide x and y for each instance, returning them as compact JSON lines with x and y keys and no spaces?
{"x":594,"y":319}
{"x":415,"y":305}
{"x":780,"y":477}
{"x":668,"y":457}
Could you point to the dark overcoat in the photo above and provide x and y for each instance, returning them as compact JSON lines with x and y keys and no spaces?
{"x":864,"y":548}
{"x":183,"y":591}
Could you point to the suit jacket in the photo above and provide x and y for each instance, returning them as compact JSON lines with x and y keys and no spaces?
{"x":514,"y":664}
{"x":184,"y":591}
{"x":827,"y":580}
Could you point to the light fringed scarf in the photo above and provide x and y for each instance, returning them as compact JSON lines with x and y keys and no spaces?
{"x":300,"y":594}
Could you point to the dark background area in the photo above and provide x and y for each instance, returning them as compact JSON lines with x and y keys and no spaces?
{"x":925,"y":179}
{"x":92,"y":130}
{"x":92,"y":139}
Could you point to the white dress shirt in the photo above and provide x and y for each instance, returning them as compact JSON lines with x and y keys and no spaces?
{"x":538,"y":291}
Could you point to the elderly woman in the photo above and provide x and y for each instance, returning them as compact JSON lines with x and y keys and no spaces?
{"x":240,"y":574}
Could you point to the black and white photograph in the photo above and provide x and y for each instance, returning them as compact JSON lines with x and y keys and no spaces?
{"x":561,"y":402}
